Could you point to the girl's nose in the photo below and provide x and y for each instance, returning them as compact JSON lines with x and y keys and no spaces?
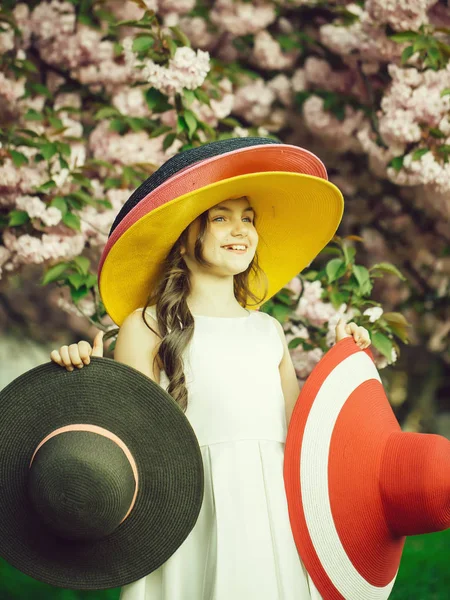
{"x":240,"y":228}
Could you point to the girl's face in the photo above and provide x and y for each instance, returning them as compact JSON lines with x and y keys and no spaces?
{"x":229,"y":223}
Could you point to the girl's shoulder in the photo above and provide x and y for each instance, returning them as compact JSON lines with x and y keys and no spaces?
{"x":150,"y":310}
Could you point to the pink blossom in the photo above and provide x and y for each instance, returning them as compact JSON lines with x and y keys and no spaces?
{"x":6,"y":38}
{"x":175,"y":6}
{"x":282,"y":87}
{"x":267,"y":53}
{"x":187,"y":69}
{"x":55,"y":19}
{"x":130,"y":148}
{"x":401,"y":15}
{"x":131,"y":101}
{"x":296,"y":332}
{"x":340,"y":134}
{"x":374,"y":313}
{"x":305,"y":361}
{"x":84,"y":307}
{"x":365,"y":36}
{"x":254,"y":101}
{"x":242,"y":18}
{"x":11,"y":89}
{"x":28,"y":249}
{"x":295,"y":285}
{"x":197,"y":31}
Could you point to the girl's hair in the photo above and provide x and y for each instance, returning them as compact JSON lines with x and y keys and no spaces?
{"x":175,"y":321}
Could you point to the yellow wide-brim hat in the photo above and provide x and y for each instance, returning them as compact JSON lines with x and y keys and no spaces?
{"x":297,"y":213}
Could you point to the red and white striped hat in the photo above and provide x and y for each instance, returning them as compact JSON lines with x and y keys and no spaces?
{"x":356,"y":485}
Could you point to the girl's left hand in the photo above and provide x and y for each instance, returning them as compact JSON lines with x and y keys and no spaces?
{"x":360,"y":334}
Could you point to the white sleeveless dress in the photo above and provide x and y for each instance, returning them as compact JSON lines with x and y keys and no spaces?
{"x":241,"y":547}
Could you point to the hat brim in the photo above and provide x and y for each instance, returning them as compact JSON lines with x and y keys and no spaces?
{"x":335,"y":439}
{"x":297,"y":215}
{"x":253,"y":159}
{"x":123,"y":400}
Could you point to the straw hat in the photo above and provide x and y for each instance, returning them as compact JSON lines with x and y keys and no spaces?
{"x":101,"y":475}
{"x":297,"y":213}
{"x":356,"y":484}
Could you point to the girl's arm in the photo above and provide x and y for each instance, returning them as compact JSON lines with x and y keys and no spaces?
{"x":289,"y":382}
{"x":137,"y":345}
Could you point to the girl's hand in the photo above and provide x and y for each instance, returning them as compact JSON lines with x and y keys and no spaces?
{"x":78,"y":355}
{"x":360,"y":334}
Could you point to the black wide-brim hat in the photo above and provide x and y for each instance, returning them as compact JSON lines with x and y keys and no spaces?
{"x":121,"y":400}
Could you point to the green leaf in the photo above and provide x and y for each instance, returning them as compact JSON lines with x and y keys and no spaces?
{"x":382,"y":343}
{"x":82,"y":263}
{"x":48,"y":150}
{"x":106,"y":112}
{"x":349,"y":253}
{"x":191,"y":121}
{"x":398,"y":324}
{"x":72,"y":221}
{"x":387,"y":268}
{"x":143,"y":43}
{"x":54,"y":273}
{"x":445,"y":92}
{"x":77,"y":280}
{"x":396,"y":163}
{"x":169,"y":140}
{"x":112,"y":183}
{"x":91,"y":280}
{"x":436,"y":133}
{"x":79,"y":178}
{"x":404,"y":36}
{"x":64,"y":148}
{"x":56,"y":123}
{"x":40,"y":89}
{"x":287,"y":42}
{"x":118,"y":125}
{"x":33,"y":115}
{"x":407,"y":53}
{"x":77,"y":295}
{"x":281,"y":312}
{"x":335,"y":268}
{"x":156,"y":100}
{"x":189,"y":97}
{"x":181,"y":124}
{"x":59,"y":203}
{"x":47,"y":186}
{"x":362,"y":277}
{"x":421,"y":43}
{"x":419,"y":153}
{"x":181,"y":36}
{"x":338,"y":298}
{"x":18,"y":158}
{"x":202,"y":96}
{"x":18,"y":217}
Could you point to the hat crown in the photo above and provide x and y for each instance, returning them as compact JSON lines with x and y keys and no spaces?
{"x":415,"y":483}
{"x":181,"y":161}
{"x":81,"y":485}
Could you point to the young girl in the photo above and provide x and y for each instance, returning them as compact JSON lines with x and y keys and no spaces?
{"x":230,"y":370}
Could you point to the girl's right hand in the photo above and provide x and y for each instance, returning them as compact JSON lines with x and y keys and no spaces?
{"x":78,"y":355}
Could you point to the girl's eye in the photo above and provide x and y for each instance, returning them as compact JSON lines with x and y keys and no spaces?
{"x":250,"y":219}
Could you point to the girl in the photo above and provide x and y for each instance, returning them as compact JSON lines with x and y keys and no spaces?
{"x":231,"y":371}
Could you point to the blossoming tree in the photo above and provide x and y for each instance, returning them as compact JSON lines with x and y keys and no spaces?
{"x":95,"y":95}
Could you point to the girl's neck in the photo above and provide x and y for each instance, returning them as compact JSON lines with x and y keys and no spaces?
{"x":209,"y":310}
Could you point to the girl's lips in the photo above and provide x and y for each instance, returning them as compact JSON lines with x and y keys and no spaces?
{"x":235,"y":251}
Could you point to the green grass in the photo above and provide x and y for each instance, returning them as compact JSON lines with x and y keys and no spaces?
{"x":424,"y":575}
{"x":425,"y":568}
